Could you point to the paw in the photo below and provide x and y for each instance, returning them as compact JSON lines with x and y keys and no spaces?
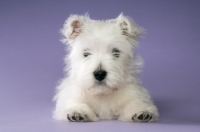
{"x":80,"y":113}
{"x":77,"y":117}
{"x":143,"y":117}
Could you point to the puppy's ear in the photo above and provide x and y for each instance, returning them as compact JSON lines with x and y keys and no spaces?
{"x":128,"y":28}
{"x":73,"y":27}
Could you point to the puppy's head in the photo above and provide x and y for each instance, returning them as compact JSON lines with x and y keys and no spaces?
{"x":101,"y":55}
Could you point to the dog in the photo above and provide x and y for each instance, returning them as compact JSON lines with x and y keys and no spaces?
{"x":102,"y":68}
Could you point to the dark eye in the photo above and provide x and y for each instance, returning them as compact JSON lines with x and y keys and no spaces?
{"x":115,"y":52}
{"x":86,"y":54}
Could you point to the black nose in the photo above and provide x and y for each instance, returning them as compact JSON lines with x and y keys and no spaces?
{"x":100,"y":75}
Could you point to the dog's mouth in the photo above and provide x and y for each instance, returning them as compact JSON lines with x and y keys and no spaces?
{"x":101,"y":88}
{"x":103,"y":84}
{"x":100,"y":83}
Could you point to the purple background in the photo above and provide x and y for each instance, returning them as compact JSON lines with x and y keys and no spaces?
{"x":31,"y":62}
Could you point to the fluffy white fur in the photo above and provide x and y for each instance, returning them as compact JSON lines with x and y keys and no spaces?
{"x":80,"y":97}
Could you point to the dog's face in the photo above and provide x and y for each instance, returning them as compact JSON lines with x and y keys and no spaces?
{"x":101,"y":52}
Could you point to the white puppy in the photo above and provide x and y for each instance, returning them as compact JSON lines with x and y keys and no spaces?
{"x":101,"y":69}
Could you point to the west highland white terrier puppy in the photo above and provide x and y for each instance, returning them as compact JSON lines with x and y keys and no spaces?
{"x":101,"y":68}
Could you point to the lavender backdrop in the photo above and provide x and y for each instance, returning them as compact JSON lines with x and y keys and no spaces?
{"x":31,"y":62}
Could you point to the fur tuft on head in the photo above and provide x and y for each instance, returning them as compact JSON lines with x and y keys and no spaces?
{"x":74,"y":26}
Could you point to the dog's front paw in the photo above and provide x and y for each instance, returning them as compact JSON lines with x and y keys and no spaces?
{"x":80,"y":113}
{"x":144,"y":117}
{"x":77,"y":117}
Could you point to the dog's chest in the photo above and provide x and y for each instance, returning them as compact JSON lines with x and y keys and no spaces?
{"x":105,"y":108}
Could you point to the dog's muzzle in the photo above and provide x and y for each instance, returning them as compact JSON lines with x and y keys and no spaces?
{"x":100,"y":75}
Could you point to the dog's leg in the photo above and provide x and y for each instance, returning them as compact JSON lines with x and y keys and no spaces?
{"x":80,"y":113}
{"x":70,"y":104}
{"x":139,"y":111}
